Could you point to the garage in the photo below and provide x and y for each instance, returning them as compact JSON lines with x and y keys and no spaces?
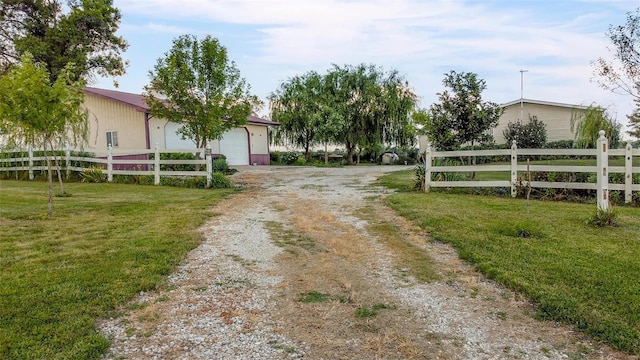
{"x":173,"y":140}
{"x":234,"y":145}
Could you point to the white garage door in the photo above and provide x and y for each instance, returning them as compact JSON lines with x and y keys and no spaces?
{"x":235,"y":146}
{"x":172,"y":140}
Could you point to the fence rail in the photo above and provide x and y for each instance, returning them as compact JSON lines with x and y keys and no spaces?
{"x":110,"y":163}
{"x":601,"y":170}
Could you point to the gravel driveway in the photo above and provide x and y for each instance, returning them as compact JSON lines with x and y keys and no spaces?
{"x":289,"y":264}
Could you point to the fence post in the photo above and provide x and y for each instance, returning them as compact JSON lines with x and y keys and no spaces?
{"x":207,"y":157}
{"x":67,"y":160}
{"x":427,"y":168}
{"x":156,"y":166}
{"x":30,"y":151}
{"x":628,"y":173}
{"x":603,"y":172}
{"x":514,"y":169}
{"x":109,"y":163}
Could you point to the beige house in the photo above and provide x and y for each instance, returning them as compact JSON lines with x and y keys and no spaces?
{"x":123,"y":120}
{"x":556,"y":116}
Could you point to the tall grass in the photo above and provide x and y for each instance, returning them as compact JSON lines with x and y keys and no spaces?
{"x":104,"y":244}
{"x":576,"y":273}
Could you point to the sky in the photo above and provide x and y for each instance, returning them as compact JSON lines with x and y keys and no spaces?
{"x":271,"y":41}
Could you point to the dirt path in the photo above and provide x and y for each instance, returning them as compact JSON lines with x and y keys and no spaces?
{"x":308,"y":263}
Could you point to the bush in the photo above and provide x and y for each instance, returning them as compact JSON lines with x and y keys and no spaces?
{"x":93,"y":174}
{"x":220,"y":181}
{"x":418,"y":181}
{"x":289,"y":157}
{"x":220,"y":164}
{"x":603,"y":218}
{"x":531,"y":135}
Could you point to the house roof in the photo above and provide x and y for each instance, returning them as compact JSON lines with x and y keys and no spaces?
{"x":540,"y":102}
{"x":137,"y":101}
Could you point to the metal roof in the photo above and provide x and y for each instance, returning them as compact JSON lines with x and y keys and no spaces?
{"x":137,"y":101}
{"x":540,"y":102}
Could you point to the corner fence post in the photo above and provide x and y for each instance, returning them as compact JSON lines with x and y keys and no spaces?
{"x":514,"y":169}
{"x":427,"y":168}
{"x":628,"y":174}
{"x":110,"y":163}
{"x":156,"y":166}
{"x":603,"y":172}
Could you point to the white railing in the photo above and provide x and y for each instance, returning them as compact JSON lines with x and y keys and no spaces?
{"x":514,"y":168}
{"x":109,"y":163}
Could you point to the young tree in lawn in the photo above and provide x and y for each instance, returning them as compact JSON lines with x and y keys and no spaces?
{"x":587,"y":125}
{"x":84,"y":36}
{"x":35,"y":110}
{"x":461,"y":116}
{"x":196,"y":85}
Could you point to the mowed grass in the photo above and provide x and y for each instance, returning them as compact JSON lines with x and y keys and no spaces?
{"x":575,"y":273}
{"x":103,"y":245}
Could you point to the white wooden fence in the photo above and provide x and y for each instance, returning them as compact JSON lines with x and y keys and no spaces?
{"x":601,"y":169}
{"x":111,"y":160}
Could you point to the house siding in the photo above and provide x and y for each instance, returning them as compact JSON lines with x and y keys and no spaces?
{"x":556,"y":118}
{"x":106,"y":115}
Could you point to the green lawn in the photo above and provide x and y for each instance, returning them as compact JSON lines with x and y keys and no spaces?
{"x":574,"y":272}
{"x":104,"y":244}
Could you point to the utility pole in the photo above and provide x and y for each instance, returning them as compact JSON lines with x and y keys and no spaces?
{"x":522,"y":92}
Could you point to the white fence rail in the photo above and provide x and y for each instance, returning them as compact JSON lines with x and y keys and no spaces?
{"x":514,"y":168}
{"x":112,"y":163}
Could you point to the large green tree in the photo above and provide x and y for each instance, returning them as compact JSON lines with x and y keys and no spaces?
{"x":374,"y":107}
{"x":195,"y":84}
{"x":357,"y":106}
{"x":461,"y":116}
{"x":298,"y":106}
{"x":34,"y":110}
{"x":587,"y":124}
{"x":84,"y":35}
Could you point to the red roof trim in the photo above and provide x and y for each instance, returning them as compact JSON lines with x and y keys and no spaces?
{"x":137,"y":101}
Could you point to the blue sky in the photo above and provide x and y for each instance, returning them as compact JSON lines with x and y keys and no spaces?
{"x":273,"y":40}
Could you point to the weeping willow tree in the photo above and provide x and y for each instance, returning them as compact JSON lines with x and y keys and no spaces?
{"x":359,"y":107}
{"x":586,"y":126}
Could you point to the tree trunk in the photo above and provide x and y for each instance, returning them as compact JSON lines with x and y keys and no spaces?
{"x":50,"y":178}
{"x":326,"y":154}
{"x":55,"y":160}
{"x":349,"y":155}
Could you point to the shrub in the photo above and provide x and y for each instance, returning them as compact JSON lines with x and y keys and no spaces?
{"x":603,"y":218}
{"x":93,"y":174}
{"x":289,"y":157}
{"x":530,"y":135}
{"x":220,"y":181}
{"x":220,"y":164}
{"x":418,"y":181}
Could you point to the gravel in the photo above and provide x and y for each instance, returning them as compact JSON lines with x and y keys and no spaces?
{"x":222,"y":302}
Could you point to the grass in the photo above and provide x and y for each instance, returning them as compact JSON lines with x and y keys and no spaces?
{"x":103,"y":245}
{"x":576,"y":273}
{"x":413,"y":258}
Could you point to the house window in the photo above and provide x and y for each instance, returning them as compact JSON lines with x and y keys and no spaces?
{"x":112,"y":138}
